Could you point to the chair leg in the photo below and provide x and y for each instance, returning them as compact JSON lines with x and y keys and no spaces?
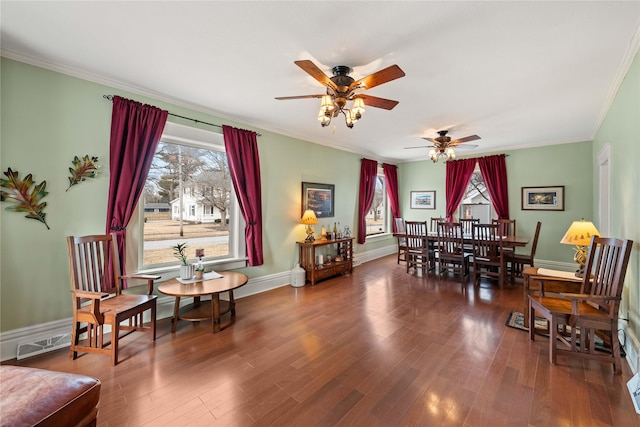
{"x":153,"y":322}
{"x":532,"y":322}
{"x":553,"y":330}
{"x":115,"y":334}
{"x":615,"y":350}
{"x":74,"y":340}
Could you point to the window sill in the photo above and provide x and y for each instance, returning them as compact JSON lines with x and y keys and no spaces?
{"x":173,"y":271}
{"x":374,"y":237}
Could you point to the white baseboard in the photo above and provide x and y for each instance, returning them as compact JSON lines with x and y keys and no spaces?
{"x":631,"y":346}
{"x":10,"y":340}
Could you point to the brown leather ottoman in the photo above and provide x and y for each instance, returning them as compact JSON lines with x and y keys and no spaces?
{"x":30,"y":397}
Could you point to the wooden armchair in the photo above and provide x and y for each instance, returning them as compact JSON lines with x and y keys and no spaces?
{"x":594,"y":308}
{"x":98,"y":300}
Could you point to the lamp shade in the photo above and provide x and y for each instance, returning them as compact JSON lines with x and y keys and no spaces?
{"x":580,"y":233}
{"x":309,"y":217}
{"x":358,"y":106}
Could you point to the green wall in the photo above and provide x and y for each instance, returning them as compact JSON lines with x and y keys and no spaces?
{"x":48,"y":118}
{"x":621,"y":130}
{"x":532,"y":167}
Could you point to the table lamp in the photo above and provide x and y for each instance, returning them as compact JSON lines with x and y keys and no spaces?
{"x":579,"y":234}
{"x":308,"y":219}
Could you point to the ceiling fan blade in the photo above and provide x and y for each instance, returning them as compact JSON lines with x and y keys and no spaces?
{"x":419,"y":146}
{"x":281,"y":98}
{"x":430,"y":139}
{"x":315,"y":72}
{"x":379,"y":77}
{"x":465,"y":139}
{"x":374,"y":101}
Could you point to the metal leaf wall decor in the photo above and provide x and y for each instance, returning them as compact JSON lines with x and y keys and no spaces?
{"x":82,"y":169}
{"x":27,"y":199}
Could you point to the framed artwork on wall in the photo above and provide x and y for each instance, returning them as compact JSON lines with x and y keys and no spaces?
{"x":319,"y":198}
{"x":423,"y":200}
{"x":543,"y":198}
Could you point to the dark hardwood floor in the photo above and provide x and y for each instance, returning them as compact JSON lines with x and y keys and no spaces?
{"x":375,"y":348}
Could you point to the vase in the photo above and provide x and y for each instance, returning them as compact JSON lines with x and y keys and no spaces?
{"x":187,"y":271}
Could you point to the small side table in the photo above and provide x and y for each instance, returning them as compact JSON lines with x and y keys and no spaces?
{"x":197,"y":312}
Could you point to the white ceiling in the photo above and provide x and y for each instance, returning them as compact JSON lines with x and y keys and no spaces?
{"x":519,"y":74}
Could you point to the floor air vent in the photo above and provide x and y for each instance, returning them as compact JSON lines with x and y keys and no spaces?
{"x":43,"y":346}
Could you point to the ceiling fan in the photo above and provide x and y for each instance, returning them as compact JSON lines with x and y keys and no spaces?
{"x":443,"y":145}
{"x":342,"y":88}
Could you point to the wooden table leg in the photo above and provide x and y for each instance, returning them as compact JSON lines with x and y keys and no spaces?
{"x":176,"y":315}
{"x":215,"y":312}
{"x":232,"y":305}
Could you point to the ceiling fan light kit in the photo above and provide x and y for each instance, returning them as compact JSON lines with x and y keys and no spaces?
{"x":342,"y":89}
{"x":443,"y":146}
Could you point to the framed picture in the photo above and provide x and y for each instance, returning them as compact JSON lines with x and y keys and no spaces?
{"x":543,"y":198}
{"x":423,"y":200}
{"x":318,"y":198}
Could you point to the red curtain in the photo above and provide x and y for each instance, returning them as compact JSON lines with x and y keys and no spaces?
{"x":368,"y":174}
{"x":135,"y":132}
{"x":244,"y":165}
{"x":458,"y":176}
{"x":391,"y":178}
{"x":494,"y":173}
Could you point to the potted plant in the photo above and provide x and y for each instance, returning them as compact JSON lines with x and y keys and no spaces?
{"x":186,"y":268}
{"x":199,"y":274}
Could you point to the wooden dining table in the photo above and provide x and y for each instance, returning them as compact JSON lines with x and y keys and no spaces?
{"x":508,"y":242}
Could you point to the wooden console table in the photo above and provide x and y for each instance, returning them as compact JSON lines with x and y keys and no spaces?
{"x":338,"y":247}
{"x":554,"y":282}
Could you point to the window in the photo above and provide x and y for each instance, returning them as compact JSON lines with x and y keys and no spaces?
{"x":476,"y":202}
{"x":190,"y":174}
{"x":377,"y":219}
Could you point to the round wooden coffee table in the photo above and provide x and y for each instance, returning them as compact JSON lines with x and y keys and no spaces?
{"x":198,"y":311}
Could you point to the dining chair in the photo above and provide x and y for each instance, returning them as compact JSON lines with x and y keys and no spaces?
{"x":574,"y":318}
{"x":467,"y":225}
{"x":420,"y":254}
{"x":401,"y":238}
{"x":451,"y":254}
{"x":433,"y":225}
{"x":488,"y":254}
{"x":507,"y":226}
{"x":517,"y":260}
{"x":99,"y":300}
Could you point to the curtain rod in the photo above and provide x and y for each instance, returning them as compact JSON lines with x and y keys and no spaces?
{"x":110,"y":98}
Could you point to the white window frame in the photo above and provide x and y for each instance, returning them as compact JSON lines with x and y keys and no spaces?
{"x":186,"y":135}
{"x":387,"y":210}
